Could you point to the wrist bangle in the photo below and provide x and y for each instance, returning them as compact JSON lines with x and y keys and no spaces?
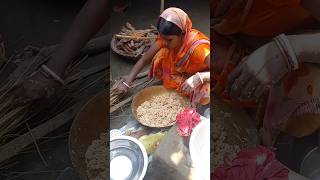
{"x":46,"y":71}
{"x":287,"y":51}
{"x":200,"y":77}
{"x":126,"y":84}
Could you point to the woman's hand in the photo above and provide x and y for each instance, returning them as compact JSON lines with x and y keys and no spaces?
{"x":37,"y":87}
{"x":257,"y":72}
{"x":191,"y":83}
{"x":122,"y":88}
{"x":199,"y":95}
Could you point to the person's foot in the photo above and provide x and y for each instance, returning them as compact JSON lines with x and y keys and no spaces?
{"x":121,"y":6}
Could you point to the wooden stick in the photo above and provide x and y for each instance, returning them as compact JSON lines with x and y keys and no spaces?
{"x":120,"y":104}
{"x":130,"y":26}
{"x":85,"y":73}
{"x":76,"y":64}
{"x":36,"y":145}
{"x":139,"y":83}
{"x":162,"y":6}
{"x":15,"y":146}
{"x":133,"y":37}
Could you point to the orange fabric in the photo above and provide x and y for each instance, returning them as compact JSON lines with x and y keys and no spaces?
{"x":223,"y":64}
{"x":266,"y":18}
{"x":301,"y":84}
{"x":202,"y":94}
{"x":164,"y":65}
{"x":164,"y":62}
{"x":302,"y":126}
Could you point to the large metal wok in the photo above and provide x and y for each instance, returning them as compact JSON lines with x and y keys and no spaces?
{"x":87,"y":126}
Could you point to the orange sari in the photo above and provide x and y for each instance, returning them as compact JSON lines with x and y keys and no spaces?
{"x":174,"y":68}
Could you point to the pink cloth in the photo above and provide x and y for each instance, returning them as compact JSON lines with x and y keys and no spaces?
{"x":252,"y":164}
{"x":178,"y":17}
{"x":187,"y":120}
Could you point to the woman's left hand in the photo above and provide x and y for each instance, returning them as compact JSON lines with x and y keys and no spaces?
{"x":35,"y":88}
{"x":191,"y":83}
{"x":256,"y":72}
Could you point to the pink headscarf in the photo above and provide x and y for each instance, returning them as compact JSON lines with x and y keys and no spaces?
{"x":178,"y":17}
{"x":181,"y":19}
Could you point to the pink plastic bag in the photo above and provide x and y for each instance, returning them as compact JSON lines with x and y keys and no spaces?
{"x":252,"y":164}
{"x":187,"y":120}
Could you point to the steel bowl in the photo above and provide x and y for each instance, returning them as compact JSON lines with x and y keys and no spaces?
{"x":128,"y":158}
{"x":310,"y":166}
{"x":87,"y":126}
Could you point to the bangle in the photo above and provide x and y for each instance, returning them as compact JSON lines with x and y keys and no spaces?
{"x":292,"y":54}
{"x":200,"y":77}
{"x":126,"y":84}
{"x":45,"y":70}
{"x":287,"y":51}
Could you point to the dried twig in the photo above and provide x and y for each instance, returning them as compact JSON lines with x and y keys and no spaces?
{"x":19,"y":127}
{"x":13,"y":147}
{"x":133,"y":37}
{"x":36,"y":145}
{"x":122,"y":103}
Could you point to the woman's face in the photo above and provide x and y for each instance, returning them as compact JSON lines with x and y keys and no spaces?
{"x":172,"y":41}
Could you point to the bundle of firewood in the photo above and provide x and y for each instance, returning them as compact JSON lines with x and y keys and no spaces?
{"x":116,"y":96}
{"x":17,"y":123}
{"x":131,"y":42}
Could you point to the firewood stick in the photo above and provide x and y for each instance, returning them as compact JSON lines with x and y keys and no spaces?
{"x":122,"y":103}
{"x":15,"y":146}
{"x":133,"y":37}
{"x":127,"y":49}
{"x":117,"y":106}
{"x":37,"y":146}
{"x":85,"y":73}
{"x":130,"y":26}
